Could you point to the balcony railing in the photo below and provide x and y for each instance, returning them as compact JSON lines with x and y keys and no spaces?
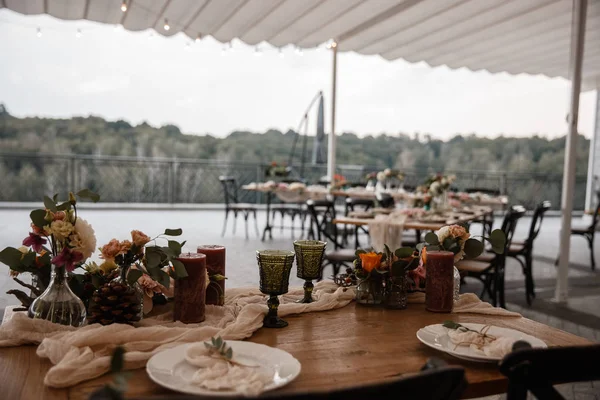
{"x":28,"y":177}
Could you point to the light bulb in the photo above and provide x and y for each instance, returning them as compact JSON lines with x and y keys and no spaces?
{"x":198,"y":38}
{"x":124,"y":6}
{"x":78,"y":34}
{"x":331,"y":44}
{"x":167,"y":27}
{"x":39,"y":32}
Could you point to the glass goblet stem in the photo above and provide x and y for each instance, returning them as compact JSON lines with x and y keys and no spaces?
{"x":308,"y":289}
{"x":271,"y":319}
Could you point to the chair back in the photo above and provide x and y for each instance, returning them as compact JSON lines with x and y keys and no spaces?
{"x":229,"y":189}
{"x":385,"y":200}
{"x":595,"y":218}
{"x":322,"y":214}
{"x":491,"y":192}
{"x":364,"y":204}
{"x":536,"y":222}
{"x":509,"y":224}
{"x":536,"y":370}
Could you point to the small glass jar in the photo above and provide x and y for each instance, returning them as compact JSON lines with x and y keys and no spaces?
{"x":370,"y":291}
{"x":395,"y":293}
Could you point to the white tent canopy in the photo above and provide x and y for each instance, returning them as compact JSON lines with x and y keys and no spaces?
{"x":514,"y":36}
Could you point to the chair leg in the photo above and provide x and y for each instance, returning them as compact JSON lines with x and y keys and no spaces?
{"x":225,"y":223}
{"x":590,"y":239}
{"x":246,"y":215}
{"x":529,"y":284}
{"x":234,"y":221}
{"x":256,"y":224}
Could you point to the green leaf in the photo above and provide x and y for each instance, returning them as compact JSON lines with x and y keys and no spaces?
{"x":229,"y":353}
{"x":153,"y":258}
{"x":66,"y":206}
{"x":88,"y":194}
{"x":55,"y":197}
{"x":217,"y":277}
{"x":180,"y":271}
{"x":451,"y":325}
{"x":218,"y":342}
{"x":38,"y":218}
{"x":432,"y":238}
{"x":175,"y":246}
{"x":498,"y":241}
{"x":359,"y":251}
{"x":420,"y":246}
{"x":117,"y":360}
{"x":173,"y":232}
{"x":11,"y":257}
{"x":398,"y":268}
{"x":473,"y":248}
{"x":404,"y":252}
{"x":133,"y":275}
{"x":163,"y":278}
{"x":49,"y":204}
{"x":28,"y":259}
{"x":433,"y":248}
{"x":448,"y":243}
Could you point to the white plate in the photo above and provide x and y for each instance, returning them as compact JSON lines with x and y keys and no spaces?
{"x":436,"y":336}
{"x":169,"y":368}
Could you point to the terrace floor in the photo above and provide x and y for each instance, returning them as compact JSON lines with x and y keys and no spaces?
{"x":580,"y":316}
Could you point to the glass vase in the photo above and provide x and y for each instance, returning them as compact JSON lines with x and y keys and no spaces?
{"x":456,"y":284}
{"x":58,"y":303}
{"x":395,"y":293}
{"x":138,"y":303}
{"x":369,"y":291}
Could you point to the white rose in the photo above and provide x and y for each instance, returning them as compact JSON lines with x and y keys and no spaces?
{"x":381,"y":176}
{"x":387,"y":172}
{"x":84,"y":238}
{"x":434,"y":188}
{"x":443,"y":233}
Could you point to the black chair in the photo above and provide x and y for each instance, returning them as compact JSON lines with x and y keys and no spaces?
{"x":522,"y":251}
{"x":536,"y":370}
{"x":588,"y":232}
{"x":491,"y":271}
{"x":323,"y":214}
{"x":353,"y":204}
{"x":435,"y":381}
{"x":233,"y":205}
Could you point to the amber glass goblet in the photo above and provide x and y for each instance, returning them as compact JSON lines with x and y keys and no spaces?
{"x":309,"y":260}
{"x":274,"y":267}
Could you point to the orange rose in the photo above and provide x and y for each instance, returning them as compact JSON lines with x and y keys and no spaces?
{"x":110,"y":250}
{"x":458,"y":231}
{"x":424,"y":255}
{"x":369,"y":261}
{"x":139,"y":238}
{"x":125,"y":246}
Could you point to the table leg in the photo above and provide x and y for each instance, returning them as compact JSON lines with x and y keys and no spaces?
{"x":268,"y":227}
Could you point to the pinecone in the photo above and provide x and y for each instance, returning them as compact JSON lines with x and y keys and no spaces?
{"x":115,"y":302}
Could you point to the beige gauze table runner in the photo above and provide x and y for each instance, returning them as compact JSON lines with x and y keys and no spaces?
{"x":79,"y":354}
{"x":387,"y":229}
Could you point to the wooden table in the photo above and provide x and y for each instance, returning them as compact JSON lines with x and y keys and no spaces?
{"x":338,"y":348}
{"x":416,"y":224}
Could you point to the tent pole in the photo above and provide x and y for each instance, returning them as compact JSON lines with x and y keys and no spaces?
{"x":331,"y":141}
{"x":575,"y":67}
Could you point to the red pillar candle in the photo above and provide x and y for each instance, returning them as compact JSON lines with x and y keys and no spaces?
{"x":439,"y":282}
{"x":190,"y":292}
{"x":215,"y":264}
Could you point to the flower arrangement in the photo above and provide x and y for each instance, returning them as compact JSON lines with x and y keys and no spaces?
{"x":275,"y":169}
{"x":457,"y":239}
{"x":339,"y":181}
{"x":389,"y":173}
{"x":58,"y":236}
{"x":438,"y":184}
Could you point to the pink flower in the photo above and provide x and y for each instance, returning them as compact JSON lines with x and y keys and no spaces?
{"x":35,"y":241}
{"x":68,"y":258}
{"x":418,"y":275}
{"x":110,"y":250}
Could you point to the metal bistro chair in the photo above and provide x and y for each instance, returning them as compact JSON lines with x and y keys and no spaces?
{"x":588,"y":232}
{"x":233,"y":205}
{"x":353,"y":204}
{"x":491,"y":273}
{"x":486,"y":221}
{"x":322,"y":214}
{"x":522,"y":251}
{"x":537,"y":370}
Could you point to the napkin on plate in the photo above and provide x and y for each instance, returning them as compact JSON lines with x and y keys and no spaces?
{"x":491,"y":346}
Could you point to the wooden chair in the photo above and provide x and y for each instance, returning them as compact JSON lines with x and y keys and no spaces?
{"x":322,"y":214}
{"x":233,"y":205}
{"x":491,"y":271}
{"x":589,"y":231}
{"x":435,"y":381}
{"x":522,"y":251}
{"x":536,"y":370}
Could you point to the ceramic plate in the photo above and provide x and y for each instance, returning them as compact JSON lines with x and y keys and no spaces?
{"x":169,"y":368}
{"x":436,"y":336}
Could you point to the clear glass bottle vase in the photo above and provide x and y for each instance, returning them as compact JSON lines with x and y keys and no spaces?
{"x":58,"y":303}
{"x":370,"y":291}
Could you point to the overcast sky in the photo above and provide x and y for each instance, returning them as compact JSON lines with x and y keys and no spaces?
{"x":142,"y":77}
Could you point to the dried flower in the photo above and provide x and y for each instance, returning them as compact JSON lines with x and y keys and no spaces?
{"x":110,"y":250}
{"x":34,"y":241}
{"x":370,"y":261}
{"x":61,"y":229}
{"x":68,"y":258}
{"x":84,"y":239}
{"x":125,"y":246}
{"x":139,"y":238}
{"x":108,"y":266}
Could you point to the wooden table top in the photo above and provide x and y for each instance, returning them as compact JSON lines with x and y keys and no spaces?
{"x":417,"y":224}
{"x":338,"y":348}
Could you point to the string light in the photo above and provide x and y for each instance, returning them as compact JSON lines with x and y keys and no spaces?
{"x":198,"y":38}
{"x":78,"y":34}
{"x":332,"y":44}
{"x":166,"y":26}
{"x":39,"y":32}
{"x":124,"y":6}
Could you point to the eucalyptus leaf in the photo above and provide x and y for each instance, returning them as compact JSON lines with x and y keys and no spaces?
{"x":387,"y":249}
{"x":117,"y":360}
{"x":133,"y":275}
{"x":38,"y":217}
{"x":11,"y":257}
{"x":175,"y":246}
{"x":153,"y":259}
{"x":66,"y":206}
{"x":433,"y":248}
{"x":163,"y":278}
{"x":449,"y":243}
{"x":180,"y":271}
{"x":49,"y":204}
{"x":432,"y":238}
{"x":229,"y":353}
{"x":360,"y":251}
{"x":451,"y":325}
{"x":420,"y":246}
{"x":404,"y":252}
{"x":88,"y":194}
{"x":498,"y":241}
{"x":473,"y":248}
{"x":55,"y":197}
{"x":173,"y":232}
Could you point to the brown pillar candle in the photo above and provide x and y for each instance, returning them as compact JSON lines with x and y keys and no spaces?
{"x":215,"y":264}
{"x":439,"y":283}
{"x":190,"y":292}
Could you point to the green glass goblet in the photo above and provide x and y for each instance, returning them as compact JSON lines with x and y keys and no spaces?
{"x":274,"y":267}
{"x":309,"y":260}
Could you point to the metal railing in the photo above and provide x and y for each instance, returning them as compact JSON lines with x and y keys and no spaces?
{"x":28,"y":177}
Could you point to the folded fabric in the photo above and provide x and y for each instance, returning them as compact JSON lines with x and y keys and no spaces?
{"x":387,"y":229}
